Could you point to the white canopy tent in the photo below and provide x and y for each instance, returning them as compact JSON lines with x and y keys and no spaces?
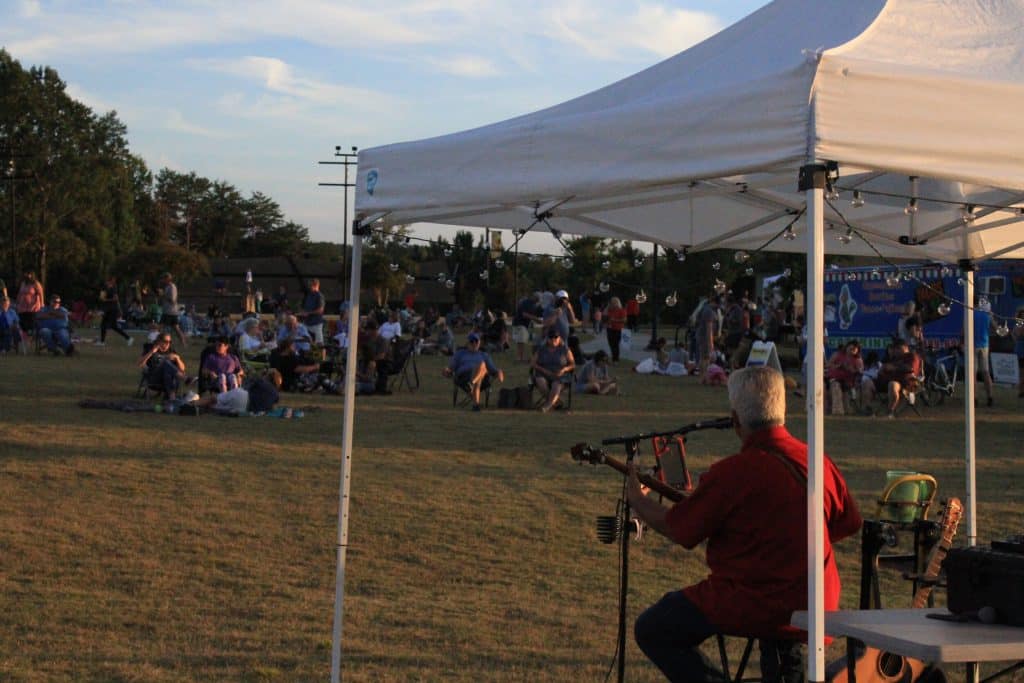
{"x":899,"y":99}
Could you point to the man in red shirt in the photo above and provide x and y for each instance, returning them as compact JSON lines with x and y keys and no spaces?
{"x":751,"y":509}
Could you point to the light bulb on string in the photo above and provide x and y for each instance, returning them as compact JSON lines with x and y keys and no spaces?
{"x":671,"y":300}
{"x":942,"y":308}
{"x":450,"y":284}
{"x":393,"y":267}
{"x":499,"y":264}
{"x":960,"y":281}
{"x":484,"y":275}
{"x":640,"y":297}
{"x":720,"y":287}
{"x":605,"y":265}
{"x":833,"y":266}
{"x":858,"y":200}
{"x":790,"y":234}
{"x":967,"y":213}
{"x":876,"y":274}
{"x":788,"y":272}
{"x":749,"y":270}
{"x":741,"y":256}
{"x":567,"y":263}
{"x":1002,"y":329}
{"x":911,"y":207}
{"x":638,"y":261}
{"x":831,"y":194}
{"x":447,"y":251}
{"x":410,"y":279}
{"x":945,"y":271}
{"x":716,"y":266}
{"x":844,"y":237}
{"x":604,"y":287}
{"x":851,"y":277}
{"x":1018,"y":324}
{"x":892,"y":279}
{"x":441,"y":277}
{"x":681,"y":255}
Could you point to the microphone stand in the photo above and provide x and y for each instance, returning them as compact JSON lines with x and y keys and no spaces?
{"x":632,"y":446}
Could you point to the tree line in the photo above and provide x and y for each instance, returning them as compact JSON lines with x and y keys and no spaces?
{"x":82,"y":206}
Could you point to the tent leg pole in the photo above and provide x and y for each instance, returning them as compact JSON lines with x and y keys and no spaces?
{"x":348,"y":422}
{"x":970,"y":376}
{"x":812,"y":182}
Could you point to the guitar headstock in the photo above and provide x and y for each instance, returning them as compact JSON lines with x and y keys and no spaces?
{"x":584,"y":452}
{"x":952,"y":513}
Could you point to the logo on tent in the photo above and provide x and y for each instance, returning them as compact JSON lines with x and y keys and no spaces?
{"x":372,"y":176}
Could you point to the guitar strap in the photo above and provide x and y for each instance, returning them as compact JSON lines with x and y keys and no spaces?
{"x":789,"y":465}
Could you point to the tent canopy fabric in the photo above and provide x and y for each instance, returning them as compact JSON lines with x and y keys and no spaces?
{"x":702,"y":150}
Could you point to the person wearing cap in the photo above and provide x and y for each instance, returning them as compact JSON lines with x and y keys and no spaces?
{"x":470,"y":366}
{"x":551,"y":362}
{"x":169,"y":310}
{"x":222,"y":368}
{"x":594,"y":377}
{"x":10,"y":329}
{"x":560,"y":316}
{"x":313,"y":311}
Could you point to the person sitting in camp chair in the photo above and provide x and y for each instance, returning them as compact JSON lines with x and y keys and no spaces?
{"x":53,"y":323}
{"x":10,"y":330}
{"x":551,"y":364}
{"x":222,"y":369}
{"x":471,"y":367}
{"x":296,"y":372}
{"x":164,"y":368}
{"x":900,"y":377}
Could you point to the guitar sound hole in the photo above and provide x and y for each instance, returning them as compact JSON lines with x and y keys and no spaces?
{"x":890,"y":665}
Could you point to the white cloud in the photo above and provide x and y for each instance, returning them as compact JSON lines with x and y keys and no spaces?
{"x":29,"y":9}
{"x":174,"y":120}
{"x":467,"y":66}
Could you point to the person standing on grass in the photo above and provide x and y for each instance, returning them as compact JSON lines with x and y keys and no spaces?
{"x":757,"y":561}
{"x":313,"y":312}
{"x":169,"y":310}
{"x":614,"y":322}
{"x":30,"y":301}
{"x":111,"y":305}
{"x":982,"y":325}
{"x":633,"y":314}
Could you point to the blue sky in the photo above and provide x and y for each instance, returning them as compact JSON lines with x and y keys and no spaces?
{"x":255,"y":93}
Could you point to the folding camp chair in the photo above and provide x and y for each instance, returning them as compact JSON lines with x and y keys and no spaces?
{"x":462,"y":393}
{"x":564,"y":399}
{"x":402,"y":370}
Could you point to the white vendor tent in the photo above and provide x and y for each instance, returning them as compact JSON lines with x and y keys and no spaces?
{"x":912,"y":104}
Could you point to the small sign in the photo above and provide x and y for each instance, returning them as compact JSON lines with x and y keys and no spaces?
{"x":764,"y":353}
{"x":1005,"y":369}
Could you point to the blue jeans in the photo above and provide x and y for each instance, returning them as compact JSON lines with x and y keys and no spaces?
{"x":56,"y":338}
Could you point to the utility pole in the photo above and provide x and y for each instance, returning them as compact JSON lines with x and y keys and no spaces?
{"x":347,"y":159}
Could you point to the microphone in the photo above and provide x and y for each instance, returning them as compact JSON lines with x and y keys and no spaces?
{"x":717,"y":423}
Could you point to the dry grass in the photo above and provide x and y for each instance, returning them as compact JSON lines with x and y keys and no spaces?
{"x":142,"y":547}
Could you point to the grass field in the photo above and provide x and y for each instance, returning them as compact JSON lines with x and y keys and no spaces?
{"x":146,"y":547}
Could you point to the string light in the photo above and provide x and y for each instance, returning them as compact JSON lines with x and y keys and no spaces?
{"x":1002,"y":329}
{"x":741,"y":256}
{"x":393,"y":267}
{"x":790,"y":234}
{"x":641,"y":298}
{"x":604,"y":287}
{"x":567,"y":263}
{"x":831,"y":194}
{"x":484,"y":275}
{"x":942,"y":309}
{"x":749,"y":270}
{"x":441,"y":277}
{"x":681,"y":255}
{"x":858,"y":199}
{"x":892,"y":279}
{"x":911,"y":207}
{"x":788,"y":272}
{"x":720,"y":287}
{"x":410,"y":279}
{"x":716,"y":266}
{"x":605,"y":265}
{"x":447,"y":251}
{"x":499,"y":264}
{"x":450,"y":284}
{"x":671,"y":300}
{"x":638,"y":261}
{"x":967,"y":213}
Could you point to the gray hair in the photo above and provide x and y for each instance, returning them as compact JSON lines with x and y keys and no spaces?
{"x":758,"y":395}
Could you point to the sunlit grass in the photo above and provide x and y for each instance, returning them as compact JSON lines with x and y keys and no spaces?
{"x":146,"y":547}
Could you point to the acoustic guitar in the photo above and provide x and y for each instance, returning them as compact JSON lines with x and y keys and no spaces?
{"x":583,"y":452}
{"x":875,"y":666}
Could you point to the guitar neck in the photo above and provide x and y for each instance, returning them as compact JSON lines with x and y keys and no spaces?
{"x":950,"y":521}
{"x":656,"y":485}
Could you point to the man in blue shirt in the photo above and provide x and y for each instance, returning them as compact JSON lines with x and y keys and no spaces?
{"x":54,"y":329}
{"x":982,"y":323}
{"x":471,"y":366}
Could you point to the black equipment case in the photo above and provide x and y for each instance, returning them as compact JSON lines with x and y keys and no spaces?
{"x":987,"y":577}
